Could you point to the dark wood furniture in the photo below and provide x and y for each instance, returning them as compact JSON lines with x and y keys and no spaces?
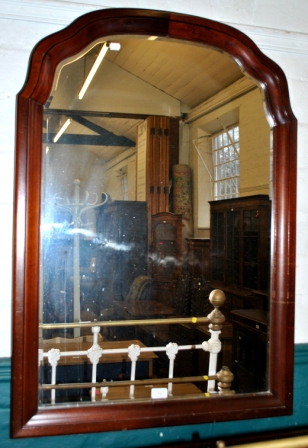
{"x":122,"y":256}
{"x":193,"y":287}
{"x":142,"y":309}
{"x":153,"y":335}
{"x":162,"y":152}
{"x":26,"y":419}
{"x":187,"y":360}
{"x":165,"y":255}
{"x":198,"y":257}
{"x":240,"y":242}
{"x":242,"y":298}
{"x":122,"y":392}
{"x":137,"y":309}
{"x":250,"y":340}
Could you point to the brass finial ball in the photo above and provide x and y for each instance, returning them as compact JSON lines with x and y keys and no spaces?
{"x":217,"y":297}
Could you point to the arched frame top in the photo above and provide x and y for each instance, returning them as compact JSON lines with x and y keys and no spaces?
{"x":27,"y":420}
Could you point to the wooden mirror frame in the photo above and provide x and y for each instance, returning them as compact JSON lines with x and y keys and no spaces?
{"x":26,"y":419}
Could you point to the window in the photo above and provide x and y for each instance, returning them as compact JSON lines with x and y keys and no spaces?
{"x":226,"y":148}
{"x":124,"y":187}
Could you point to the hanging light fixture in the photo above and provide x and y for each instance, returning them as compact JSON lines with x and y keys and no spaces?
{"x":112,"y":46}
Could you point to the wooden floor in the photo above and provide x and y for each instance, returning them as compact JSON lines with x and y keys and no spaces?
{"x":122,"y":392}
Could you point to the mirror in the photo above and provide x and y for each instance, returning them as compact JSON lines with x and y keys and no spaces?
{"x":149,"y":158}
{"x":156,"y":185}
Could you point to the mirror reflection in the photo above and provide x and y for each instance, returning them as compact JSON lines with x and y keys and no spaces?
{"x":156,"y":190}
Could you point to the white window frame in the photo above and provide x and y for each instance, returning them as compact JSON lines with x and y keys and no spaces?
{"x":226,"y":162}
{"x":124,"y":186}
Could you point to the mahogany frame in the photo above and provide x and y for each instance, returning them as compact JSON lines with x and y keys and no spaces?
{"x":26,"y":419}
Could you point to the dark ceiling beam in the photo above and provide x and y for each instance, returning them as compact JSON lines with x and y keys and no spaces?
{"x":90,"y":125}
{"x":90,"y":140}
{"x":95,"y":113}
{"x":89,"y":113}
{"x":110,"y":138}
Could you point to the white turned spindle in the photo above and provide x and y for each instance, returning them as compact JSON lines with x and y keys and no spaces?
{"x":104,"y":392}
{"x":95,"y":330}
{"x":217,"y":298}
{"x":94,"y":353}
{"x":133,"y":353}
{"x":214,"y":345}
{"x":54,"y":355}
{"x":171,"y":351}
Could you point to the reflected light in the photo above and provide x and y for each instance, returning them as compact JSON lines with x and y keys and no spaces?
{"x":112,"y":46}
{"x":63,"y":129}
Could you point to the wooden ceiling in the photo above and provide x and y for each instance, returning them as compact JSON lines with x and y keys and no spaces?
{"x":158,"y":77}
{"x":191,"y":74}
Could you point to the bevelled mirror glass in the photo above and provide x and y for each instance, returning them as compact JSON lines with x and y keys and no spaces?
{"x":159,"y":219}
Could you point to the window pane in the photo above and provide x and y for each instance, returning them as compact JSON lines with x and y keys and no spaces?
{"x":216,"y":161}
{"x":226,"y":154}
{"x":219,"y":141}
{"x":217,"y":172}
{"x":222,"y":188}
{"x":222,"y":172}
{"x":227,"y":168}
{"x":216,"y":189}
{"x":221,"y":156}
{"x":233,"y":186}
{"x":226,"y":162}
{"x":232,"y":169}
{"x":228,"y":187}
{"x":231,"y":152}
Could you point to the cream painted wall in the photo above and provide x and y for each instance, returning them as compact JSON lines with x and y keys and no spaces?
{"x":246,"y":109}
{"x":277,"y":26}
{"x":112,"y":185}
{"x":255,"y":139}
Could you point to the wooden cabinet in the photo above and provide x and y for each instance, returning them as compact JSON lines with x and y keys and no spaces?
{"x":198,"y":257}
{"x":122,"y":256}
{"x":240,"y":242}
{"x":250,"y":347}
{"x":165,"y":255}
{"x":193,"y":287}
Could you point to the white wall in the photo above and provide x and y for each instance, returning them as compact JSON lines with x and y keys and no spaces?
{"x":277,"y":26}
